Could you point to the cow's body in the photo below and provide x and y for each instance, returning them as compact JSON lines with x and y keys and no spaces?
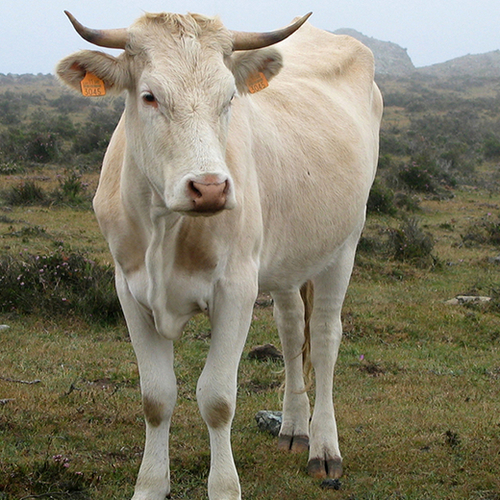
{"x":300,"y":157}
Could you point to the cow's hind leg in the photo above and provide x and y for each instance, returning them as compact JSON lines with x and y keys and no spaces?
{"x":289,"y":317}
{"x":159,"y":392}
{"x":326,"y":332}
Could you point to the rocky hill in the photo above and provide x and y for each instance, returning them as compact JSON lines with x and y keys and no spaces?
{"x":479,"y":65}
{"x":390,"y":58}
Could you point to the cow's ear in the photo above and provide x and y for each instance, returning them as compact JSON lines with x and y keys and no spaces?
{"x":110,"y":70}
{"x":247,"y":65}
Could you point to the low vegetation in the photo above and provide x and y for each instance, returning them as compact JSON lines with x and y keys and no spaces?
{"x":59,"y":283}
{"x":417,"y":379}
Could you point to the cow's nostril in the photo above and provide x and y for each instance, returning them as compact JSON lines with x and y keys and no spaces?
{"x":194,"y":192}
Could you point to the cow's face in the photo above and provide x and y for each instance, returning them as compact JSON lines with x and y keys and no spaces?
{"x":181,"y":76}
{"x":178,"y":111}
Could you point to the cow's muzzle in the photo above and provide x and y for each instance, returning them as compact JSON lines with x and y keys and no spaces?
{"x":208,"y":195}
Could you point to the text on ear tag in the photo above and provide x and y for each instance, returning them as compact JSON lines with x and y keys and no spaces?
{"x":257,"y":82}
{"x":92,"y":86}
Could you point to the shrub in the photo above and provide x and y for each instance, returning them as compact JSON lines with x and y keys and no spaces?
{"x":406,"y":202}
{"x":385,"y":161}
{"x":371,"y":246}
{"x":493,"y":231}
{"x":417,"y":178}
{"x":491,"y":148}
{"x":9,"y":168}
{"x":381,"y":200}
{"x":42,"y":147}
{"x":26,"y":193}
{"x":19,"y":145}
{"x":58,"y":283}
{"x":482,"y":232}
{"x":71,"y":190}
{"x":411,"y":244}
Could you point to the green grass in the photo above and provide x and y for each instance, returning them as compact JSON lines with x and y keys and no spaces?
{"x":416,"y":419}
{"x":416,"y":386}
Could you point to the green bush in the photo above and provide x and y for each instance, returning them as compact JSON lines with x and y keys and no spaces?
{"x":493,"y":231}
{"x":483,"y":232}
{"x":491,"y":148}
{"x":20,"y":145}
{"x":70,"y":191}
{"x":9,"y":168}
{"x":381,"y":200}
{"x":410,"y":244}
{"x":58,"y":283}
{"x":26,"y":193}
{"x":405,"y":201}
{"x":416,"y":178}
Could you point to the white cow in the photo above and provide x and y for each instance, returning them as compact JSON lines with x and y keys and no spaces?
{"x":282,"y":177}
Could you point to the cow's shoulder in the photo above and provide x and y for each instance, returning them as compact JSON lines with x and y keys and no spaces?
{"x":313,"y":53}
{"x":122,"y":231}
{"x":107,"y":202}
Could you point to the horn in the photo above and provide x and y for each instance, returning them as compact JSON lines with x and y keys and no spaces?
{"x":112,"y":39}
{"x":249,"y":41}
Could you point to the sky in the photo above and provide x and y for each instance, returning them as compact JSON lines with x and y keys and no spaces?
{"x":35,"y":34}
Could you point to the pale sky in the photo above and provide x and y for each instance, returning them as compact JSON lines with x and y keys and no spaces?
{"x":35,"y":34}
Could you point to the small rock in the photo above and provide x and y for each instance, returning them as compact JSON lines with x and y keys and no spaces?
{"x":4,"y":327}
{"x":266,"y":351}
{"x":467,"y":299}
{"x":269,"y":421}
{"x":331,"y":484}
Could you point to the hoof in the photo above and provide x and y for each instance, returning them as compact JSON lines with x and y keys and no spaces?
{"x":322,"y":469}
{"x":295,"y":444}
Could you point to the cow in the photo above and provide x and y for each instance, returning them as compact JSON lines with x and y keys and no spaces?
{"x":242,"y":162}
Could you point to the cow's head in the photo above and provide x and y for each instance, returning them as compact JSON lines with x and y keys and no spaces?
{"x":181,"y":74}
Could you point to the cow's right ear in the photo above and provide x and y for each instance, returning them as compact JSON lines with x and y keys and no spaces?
{"x":111,"y":70}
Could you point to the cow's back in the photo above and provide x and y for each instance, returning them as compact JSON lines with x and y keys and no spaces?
{"x":315,"y":148}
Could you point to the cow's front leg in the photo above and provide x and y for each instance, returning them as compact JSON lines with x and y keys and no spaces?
{"x":216,"y":392}
{"x":159,"y":392}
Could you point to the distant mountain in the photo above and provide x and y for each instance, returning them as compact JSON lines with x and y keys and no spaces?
{"x":482,"y":65}
{"x":390,"y":58}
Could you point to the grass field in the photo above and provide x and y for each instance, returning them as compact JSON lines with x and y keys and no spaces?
{"x":417,"y":381}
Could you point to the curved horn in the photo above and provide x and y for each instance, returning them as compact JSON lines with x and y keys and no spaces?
{"x":112,"y":39}
{"x":249,"y":41}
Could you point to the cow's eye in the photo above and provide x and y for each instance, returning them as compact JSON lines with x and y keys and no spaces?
{"x":227,"y":106}
{"x":149,"y":99}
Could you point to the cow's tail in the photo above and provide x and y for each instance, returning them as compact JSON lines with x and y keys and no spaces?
{"x":307,"y":294}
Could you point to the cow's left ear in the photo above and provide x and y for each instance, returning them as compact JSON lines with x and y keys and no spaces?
{"x":247,"y":64}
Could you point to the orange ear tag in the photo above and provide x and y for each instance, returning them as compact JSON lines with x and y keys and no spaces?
{"x":92,"y":86}
{"x":257,"y":82}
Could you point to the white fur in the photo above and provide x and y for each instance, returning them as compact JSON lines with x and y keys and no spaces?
{"x":299,"y":158}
